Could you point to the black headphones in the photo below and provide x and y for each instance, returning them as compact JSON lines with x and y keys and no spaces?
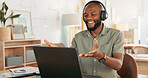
{"x":103,"y":14}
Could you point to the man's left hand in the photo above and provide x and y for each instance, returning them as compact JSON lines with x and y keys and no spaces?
{"x":94,"y":52}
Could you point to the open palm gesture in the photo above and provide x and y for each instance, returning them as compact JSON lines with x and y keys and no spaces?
{"x":94,"y":52}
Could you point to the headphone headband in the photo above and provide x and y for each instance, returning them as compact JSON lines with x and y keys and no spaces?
{"x":103,"y":14}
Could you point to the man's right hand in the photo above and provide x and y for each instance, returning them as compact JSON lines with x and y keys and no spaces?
{"x":50,"y":44}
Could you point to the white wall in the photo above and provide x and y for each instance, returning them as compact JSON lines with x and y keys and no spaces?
{"x":124,"y":12}
{"x":127,"y":12}
{"x":46,"y":15}
{"x":143,"y":29}
{"x":145,"y":7}
{"x":143,"y":24}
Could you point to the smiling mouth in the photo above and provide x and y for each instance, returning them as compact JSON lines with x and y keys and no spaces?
{"x":91,"y":22}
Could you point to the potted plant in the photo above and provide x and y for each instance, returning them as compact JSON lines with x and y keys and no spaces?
{"x":5,"y":31}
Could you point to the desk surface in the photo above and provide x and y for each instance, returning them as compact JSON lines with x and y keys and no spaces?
{"x":140,"y":57}
{"x":132,"y":45}
{"x":84,"y":76}
{"x":128,"y":47}
{"x":7,"y":71}
{"x":142,"y":62}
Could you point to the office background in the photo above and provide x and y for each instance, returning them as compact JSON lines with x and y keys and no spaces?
{"x":47,"y":16}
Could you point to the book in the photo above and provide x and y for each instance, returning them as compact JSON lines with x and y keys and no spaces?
{"x":25,"y":71}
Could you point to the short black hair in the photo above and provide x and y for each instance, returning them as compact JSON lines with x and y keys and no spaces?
{"x":96,"y":2}
{"x":103,"y":15}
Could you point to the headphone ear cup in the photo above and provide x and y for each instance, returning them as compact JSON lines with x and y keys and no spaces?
{"x":103,"y":15}
{"x":83,"y":17}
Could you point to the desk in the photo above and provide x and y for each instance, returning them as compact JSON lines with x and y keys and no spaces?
{"x":7,"y":71}
{"x":128,"y":47}
{"x":88,"y":76}
{"x":85,"y":76}
{"x":142,"y":62}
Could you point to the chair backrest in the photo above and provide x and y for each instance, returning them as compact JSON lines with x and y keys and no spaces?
{"x":140,"y":50}
{"x":129,"y":67}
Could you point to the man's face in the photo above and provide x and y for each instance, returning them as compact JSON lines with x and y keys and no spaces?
{"x":92,"y":16}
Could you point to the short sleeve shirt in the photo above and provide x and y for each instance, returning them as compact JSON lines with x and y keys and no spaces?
{"x":109,"y":40}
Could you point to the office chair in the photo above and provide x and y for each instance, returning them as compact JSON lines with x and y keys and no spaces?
{"x":140,"y":50}
{"x":129,"y":67}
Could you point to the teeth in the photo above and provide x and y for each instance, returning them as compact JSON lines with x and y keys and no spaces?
{"x":91,"y":22}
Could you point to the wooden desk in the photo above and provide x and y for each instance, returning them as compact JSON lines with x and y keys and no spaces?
{"x":128,"y":47}
{"x":7,"y":71}
{"x":142,"y":62}
{"x":132,"y":45}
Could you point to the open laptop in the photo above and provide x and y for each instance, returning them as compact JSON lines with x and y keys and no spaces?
{"x":58,"y":62}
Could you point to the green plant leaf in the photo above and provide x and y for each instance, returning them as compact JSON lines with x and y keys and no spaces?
{"x":9,"y":16}
{"x":4,"y":7}
{"x":1,"y":14}
{"x":15,"y":16}
{"x":3,"y":20}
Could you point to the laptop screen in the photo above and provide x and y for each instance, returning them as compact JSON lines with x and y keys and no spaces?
{"x":56,"y":62}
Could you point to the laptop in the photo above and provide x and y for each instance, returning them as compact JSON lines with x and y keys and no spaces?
{"x":58,"y":62}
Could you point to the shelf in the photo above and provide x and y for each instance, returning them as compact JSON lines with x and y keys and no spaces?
{"x":25,"y":64}
{"x":11,"y":67}
{"x":23,"y":45}
{"x":34,"y":64}
{"x":21,"y":42}
{"x":19,"y":51}
{"x":31,"y":62}
{"x":14,"y":48}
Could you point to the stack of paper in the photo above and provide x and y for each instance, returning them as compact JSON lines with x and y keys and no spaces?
{"x":24,"y":71}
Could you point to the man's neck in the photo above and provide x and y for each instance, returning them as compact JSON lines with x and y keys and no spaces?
{"x":96,"y":32}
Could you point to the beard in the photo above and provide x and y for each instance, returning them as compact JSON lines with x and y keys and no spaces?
{"x":97,"y":24}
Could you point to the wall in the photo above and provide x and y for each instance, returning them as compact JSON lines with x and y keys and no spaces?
{"x":144,"y":6}
{"x":143,"y":24}
{"x":124,"y":12}
{"x":46,"y":15}
{"x":127,"y":12}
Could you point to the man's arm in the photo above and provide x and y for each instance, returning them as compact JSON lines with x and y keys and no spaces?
{"x":49,"y":44}
{"x":114,"y":62}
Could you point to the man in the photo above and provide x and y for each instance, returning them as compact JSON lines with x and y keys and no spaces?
{"x":107,"y":50}
{"x":100,"y":48}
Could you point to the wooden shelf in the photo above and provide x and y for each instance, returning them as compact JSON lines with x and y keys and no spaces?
{"x":17,"y":48}
{"x":21,"y":42}
{"x":11,"y":67}
{"x":34,"y":64}
{"x":22,"y":45}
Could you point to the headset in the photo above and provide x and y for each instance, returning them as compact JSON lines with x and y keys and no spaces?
{"x":103,"y":14}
